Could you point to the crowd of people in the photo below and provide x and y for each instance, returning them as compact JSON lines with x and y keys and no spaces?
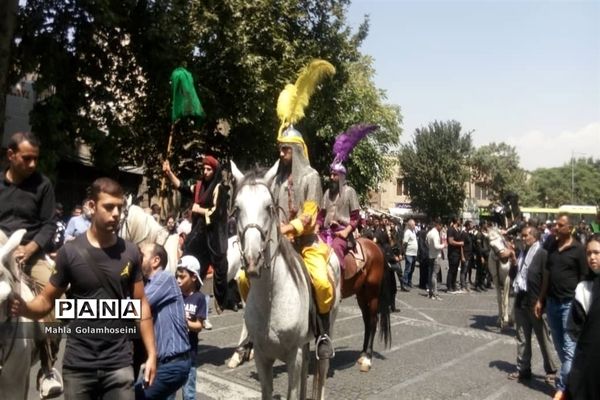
{"x":555,"y":272}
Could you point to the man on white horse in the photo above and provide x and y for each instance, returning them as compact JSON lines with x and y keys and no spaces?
{"x":295,"y":184}
{"x":27,"y":202}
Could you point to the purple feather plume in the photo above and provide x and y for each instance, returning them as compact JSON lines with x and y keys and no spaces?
{"x":345,"y":142}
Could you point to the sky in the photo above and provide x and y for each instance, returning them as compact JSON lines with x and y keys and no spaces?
{"x":523,"y":72}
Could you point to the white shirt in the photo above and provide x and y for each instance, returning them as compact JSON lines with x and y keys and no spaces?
{"x":410,"y":239}
{"x":434,"y":243}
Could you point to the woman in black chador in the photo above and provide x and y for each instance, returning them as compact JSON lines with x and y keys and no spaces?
{"x":584,"y":325}
{"x":208,"y":239}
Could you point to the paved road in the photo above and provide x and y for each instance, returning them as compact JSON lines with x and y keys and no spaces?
{"x":447,"y":349}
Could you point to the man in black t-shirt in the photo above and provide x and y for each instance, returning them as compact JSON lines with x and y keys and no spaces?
{"x":565,"y":268}
{"x":98,"y":365}
{"x":454,"y":255}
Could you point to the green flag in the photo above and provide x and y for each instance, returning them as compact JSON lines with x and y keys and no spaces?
{"x":185,"y":99}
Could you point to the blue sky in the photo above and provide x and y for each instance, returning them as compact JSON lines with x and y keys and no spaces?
{"x":523,"y":72}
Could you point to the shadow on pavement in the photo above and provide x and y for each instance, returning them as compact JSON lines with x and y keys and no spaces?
{"x":503,"y":366}
{"x":536,"y":382}
{"x":489,"y":323}
{"x":219,"y":355}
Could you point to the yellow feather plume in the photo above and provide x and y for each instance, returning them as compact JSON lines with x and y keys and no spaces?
{"x":294,"y":98}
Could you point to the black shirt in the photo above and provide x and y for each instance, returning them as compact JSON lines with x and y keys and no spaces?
{"x":195,"y":309}
{"x":28,"y":205}
{"x":453,"y":251}
{"x":567,"y":268}
{"x":120,"y":264}
{"x":467,"y":239}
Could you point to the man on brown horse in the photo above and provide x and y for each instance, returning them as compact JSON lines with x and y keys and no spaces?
{"x":340,"y":213}
{"x":340,"y":208}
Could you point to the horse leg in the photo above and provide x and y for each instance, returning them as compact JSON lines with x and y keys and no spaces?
{"x":369,"y":312}
{"x":365,"y":316}
{"x":243,"y":352}
{"x":294,"y":369}
{"x":505,"y":299}
{"x":304,"y":372}
{"x":319,"y":379}
{"x":373,"y":306}
{"x":494,"y":267}
{"x":264,"y":366}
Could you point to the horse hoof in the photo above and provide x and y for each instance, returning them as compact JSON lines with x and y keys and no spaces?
{"x":360,"y":360}
{"x":365,"y":366}
{"x":234,"y":361}
{"x":251,"y":355}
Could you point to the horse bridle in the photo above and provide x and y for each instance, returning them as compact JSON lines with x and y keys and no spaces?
{"x":265,"y":237}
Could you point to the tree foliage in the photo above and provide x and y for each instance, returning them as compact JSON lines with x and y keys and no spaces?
{"x":8,"y":18}
{"x":104,"y":66}
{"x":435,"y":168}
{"x":551,"y":187}
{"x":496,"y":166}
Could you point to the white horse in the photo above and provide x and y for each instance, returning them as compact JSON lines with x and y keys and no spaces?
{"x":499,"y":268}
{"x":140,"y":227}
{"x":17,"y":350}
{"x":277,"y":311}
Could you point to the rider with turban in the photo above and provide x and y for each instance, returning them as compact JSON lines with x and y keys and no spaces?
{"x":340,"y":212}
{"x":207,"y":240}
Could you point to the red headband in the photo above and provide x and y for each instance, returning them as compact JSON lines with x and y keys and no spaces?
{"x":211,"y":162}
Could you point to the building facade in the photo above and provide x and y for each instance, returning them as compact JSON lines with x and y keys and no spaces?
{"x":393,"y":197}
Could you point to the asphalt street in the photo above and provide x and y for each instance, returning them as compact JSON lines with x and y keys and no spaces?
{"x":449,"y":349}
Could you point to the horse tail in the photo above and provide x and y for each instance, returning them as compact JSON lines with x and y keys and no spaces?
{"x":385,"y":302}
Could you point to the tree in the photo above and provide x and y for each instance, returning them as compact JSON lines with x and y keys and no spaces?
{"x":435,"y":168}
{"x":8,"y":17}
{"x":552,"y":187}
{"x":496,"y":166}
{"x":105,"y":65}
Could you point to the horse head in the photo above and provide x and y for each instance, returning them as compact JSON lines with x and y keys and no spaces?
{"x":496,"y":239}
{"x":8,"y":266}
{"x":256,"y":219}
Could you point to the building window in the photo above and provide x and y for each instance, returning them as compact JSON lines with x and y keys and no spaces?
{"x":401,"y":188}
{"x":481,"y":193}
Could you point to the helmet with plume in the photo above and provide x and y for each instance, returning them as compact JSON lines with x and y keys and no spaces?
{"x":346,"y":142}
{"x":294,"y":99}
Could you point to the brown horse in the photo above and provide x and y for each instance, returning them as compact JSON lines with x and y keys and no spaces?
{"x":369,"y":287}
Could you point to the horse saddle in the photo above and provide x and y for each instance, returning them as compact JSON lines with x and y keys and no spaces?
{"x":354,"y":261}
